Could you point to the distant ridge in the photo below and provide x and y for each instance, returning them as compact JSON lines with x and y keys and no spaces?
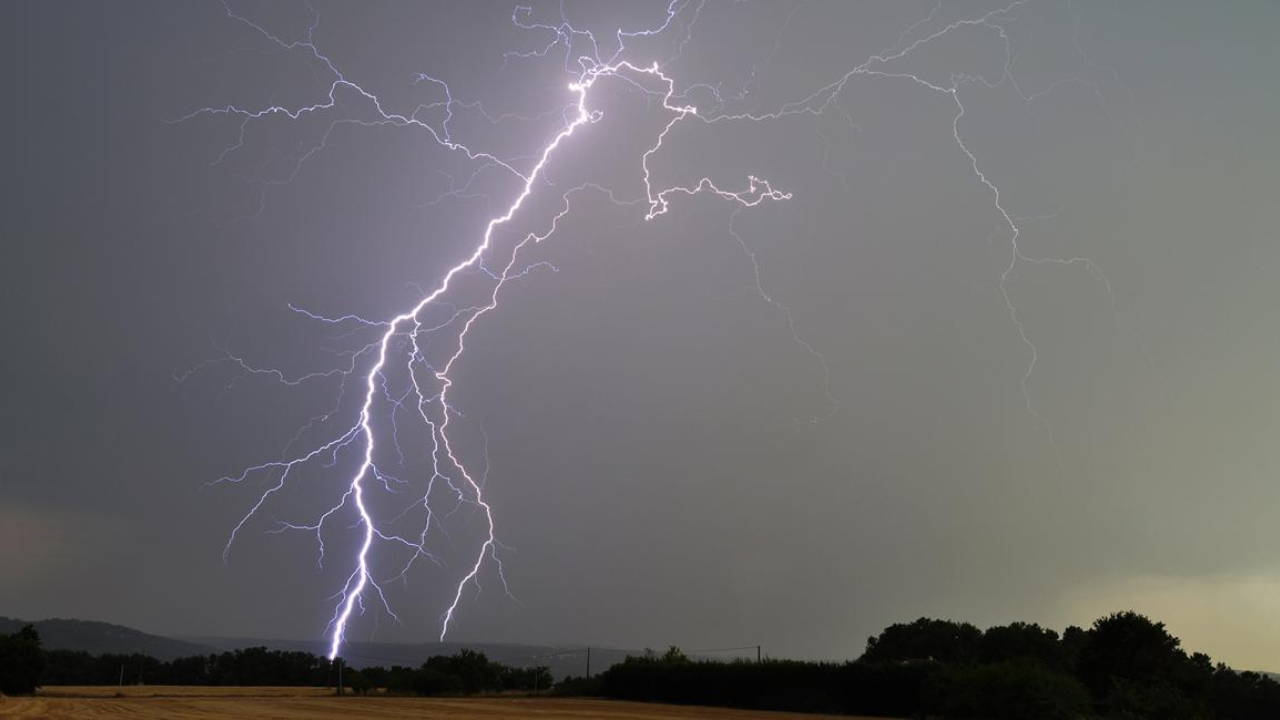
{"x":98,"y":638}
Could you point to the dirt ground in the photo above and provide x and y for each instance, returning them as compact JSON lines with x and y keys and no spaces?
{"x":287,"y":703}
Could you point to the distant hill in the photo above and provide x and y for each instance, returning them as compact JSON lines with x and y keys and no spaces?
{"x":97,"y":638}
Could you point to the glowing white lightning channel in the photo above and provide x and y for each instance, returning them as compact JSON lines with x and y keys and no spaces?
{"x":433,"y":407}
{"x":361,"y":579}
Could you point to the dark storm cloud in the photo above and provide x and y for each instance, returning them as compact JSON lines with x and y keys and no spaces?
{"x":640,"y":405}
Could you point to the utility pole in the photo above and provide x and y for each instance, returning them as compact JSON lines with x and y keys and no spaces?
{"x":121,"y":674}
{"x":339,"y":675}
{"x":588,"y":661}
{"x":757,"y":654}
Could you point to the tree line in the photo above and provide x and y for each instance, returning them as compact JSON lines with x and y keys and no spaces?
{"x":25,"y":666}
{"x":256,"y":666}
{"x":1124,"y":667}
{"x":465,"y":673}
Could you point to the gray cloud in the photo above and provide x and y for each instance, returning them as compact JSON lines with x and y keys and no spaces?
{"x":640,"y":405}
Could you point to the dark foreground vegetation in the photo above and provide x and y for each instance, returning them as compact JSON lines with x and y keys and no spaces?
{"x":1125,"y":667}
{"x":25,"y":666}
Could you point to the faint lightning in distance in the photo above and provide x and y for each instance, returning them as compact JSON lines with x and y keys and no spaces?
{"x":826,"y":97}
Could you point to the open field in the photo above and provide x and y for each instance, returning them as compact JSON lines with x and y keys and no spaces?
{"x":283,"y":703}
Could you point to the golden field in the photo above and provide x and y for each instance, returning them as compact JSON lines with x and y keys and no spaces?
{"x":144,"y":702}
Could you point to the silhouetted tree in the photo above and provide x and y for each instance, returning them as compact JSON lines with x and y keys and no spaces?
{"x":1022,"y":642}
{"x":473,"y":671}
{"x":21,"y":662}
{"x":674,"y":656}
{"x":925,"y":639}
{"x":1073,"y":641}
{"x":1130,"y":648}
{"x":1244,"y":696}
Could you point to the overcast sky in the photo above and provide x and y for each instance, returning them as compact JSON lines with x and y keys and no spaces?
{"x":881,"y":418}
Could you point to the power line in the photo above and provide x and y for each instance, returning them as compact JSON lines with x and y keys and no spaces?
{"x":559,"y":653}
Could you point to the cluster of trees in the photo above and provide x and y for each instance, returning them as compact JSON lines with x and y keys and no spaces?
{"x":1124,"y":666}
{"x":466,"y":673}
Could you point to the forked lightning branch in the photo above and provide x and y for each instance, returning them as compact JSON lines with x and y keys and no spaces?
{"x":496,"y":258}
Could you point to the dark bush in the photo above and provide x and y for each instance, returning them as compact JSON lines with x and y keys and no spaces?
{"x":1006,"y":691}
{"x":430,"y":681}
{"x":578,"y":687}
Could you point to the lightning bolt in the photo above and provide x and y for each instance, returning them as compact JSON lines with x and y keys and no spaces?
{"x":409,"y":325}
{"x":402,"y":343}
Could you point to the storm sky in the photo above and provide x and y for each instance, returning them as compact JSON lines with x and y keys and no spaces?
{"x":679,"y":451}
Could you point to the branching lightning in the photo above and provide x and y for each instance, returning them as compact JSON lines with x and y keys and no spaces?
{"x":400,"y":344}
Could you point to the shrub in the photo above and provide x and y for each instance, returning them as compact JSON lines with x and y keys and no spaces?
{"x":21,"y":662}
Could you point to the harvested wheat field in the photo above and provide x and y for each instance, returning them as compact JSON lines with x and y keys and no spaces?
{"x":286,"y":703}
